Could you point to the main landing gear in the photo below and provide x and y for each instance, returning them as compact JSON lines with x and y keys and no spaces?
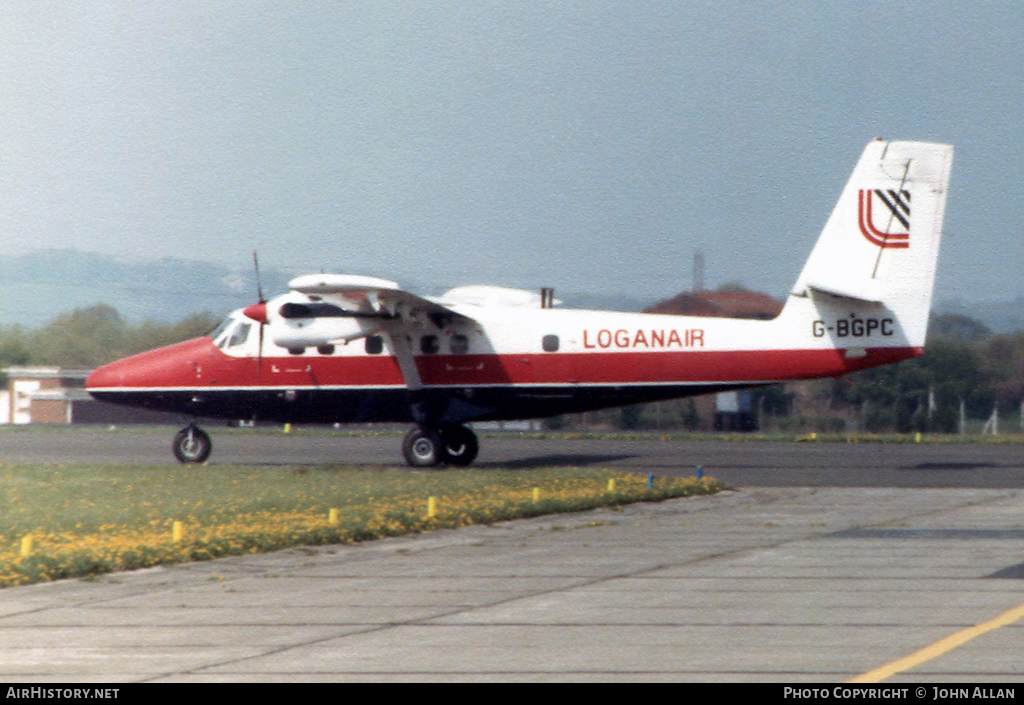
{"x":423,"y":447}
{"x":192,"y":445}
{"x":447,"y":445}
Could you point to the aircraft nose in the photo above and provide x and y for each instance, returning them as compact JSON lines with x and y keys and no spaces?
{"x":169,"y":366}
{"x":106,"y":376}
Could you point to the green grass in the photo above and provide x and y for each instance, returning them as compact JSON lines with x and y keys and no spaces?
{"x":87,"y":519}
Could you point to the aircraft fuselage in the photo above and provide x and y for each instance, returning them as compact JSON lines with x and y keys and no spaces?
{"x":530,"y":364}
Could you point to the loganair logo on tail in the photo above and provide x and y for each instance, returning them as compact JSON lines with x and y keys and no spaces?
{"x":884,"y":217}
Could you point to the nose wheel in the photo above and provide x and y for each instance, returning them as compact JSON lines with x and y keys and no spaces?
{"x":192,"y":445}
{"x":448,"y":445}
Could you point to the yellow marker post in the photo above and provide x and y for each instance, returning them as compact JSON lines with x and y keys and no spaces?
{"x":536,"y":494}
{"x":332,"y":517}
{"x":611,"y":484}
{"x":287,"y":428}
{"x":431,"y":507}
{"x":177,"y":532}
{"x":26,"y":546}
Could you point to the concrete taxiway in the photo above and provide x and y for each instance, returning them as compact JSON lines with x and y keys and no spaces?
{"x":760,"y":584}
{"x":827,"y":561}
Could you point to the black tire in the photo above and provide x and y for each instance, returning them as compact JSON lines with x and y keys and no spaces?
{"x":192,"y":445}
{"x":460,"y":445}
{"x":422,"y":448}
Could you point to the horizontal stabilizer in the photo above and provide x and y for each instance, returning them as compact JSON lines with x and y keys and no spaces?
{"x":846,"y":293}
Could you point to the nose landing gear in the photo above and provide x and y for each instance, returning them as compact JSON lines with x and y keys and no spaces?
{"x":447,"y":445}
{"x":192,"y":445}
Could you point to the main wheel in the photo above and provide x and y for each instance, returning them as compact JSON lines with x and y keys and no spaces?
{"x":192,"y":445}
{"x":422,"y":448}
{"x":460,"y":445}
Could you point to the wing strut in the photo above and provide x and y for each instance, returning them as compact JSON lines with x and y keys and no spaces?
{"x":401,"y":343}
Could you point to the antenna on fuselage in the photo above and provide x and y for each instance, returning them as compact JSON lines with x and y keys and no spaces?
{"x":698,"y":271}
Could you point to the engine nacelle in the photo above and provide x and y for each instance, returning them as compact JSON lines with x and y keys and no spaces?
{"x":313,"y":332}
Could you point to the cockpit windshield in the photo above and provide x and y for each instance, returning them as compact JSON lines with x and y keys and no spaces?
{"x":216,"y":332}
{"x":232,"y":332}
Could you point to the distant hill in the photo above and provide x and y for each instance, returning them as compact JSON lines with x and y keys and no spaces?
{"x":1006,"y":316}
{"x":36,"y":287}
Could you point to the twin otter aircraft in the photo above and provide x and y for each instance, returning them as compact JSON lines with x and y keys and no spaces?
{"x":339,"y":348}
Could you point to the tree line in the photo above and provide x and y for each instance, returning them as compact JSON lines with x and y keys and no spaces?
{"x":92,"y":336}
{"x":967,"y":372}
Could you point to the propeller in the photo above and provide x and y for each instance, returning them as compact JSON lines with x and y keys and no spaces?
{"x":259,"y":286}
{"x":258,"y":312}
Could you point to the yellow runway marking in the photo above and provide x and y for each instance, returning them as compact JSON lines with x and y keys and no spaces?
{"x":940,"y":647}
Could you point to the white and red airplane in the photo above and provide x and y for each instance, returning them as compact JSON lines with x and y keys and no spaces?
{"x":340,"y":348}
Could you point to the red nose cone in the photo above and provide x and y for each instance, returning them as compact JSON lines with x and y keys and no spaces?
{"x":257,"y":312}
{"x":173,"y":366}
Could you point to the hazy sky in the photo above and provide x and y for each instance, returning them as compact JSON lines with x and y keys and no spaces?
{"x":591,"y":146}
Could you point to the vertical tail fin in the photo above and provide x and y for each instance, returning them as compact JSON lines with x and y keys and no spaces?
{"x":881,"y":244}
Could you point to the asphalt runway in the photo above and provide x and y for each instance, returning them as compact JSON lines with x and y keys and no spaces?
{"x":738,"y":463}
{"x":828,"y":562}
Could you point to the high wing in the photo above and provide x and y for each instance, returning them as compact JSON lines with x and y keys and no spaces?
{"x":372,"y":297}
{"x":326,"y":309}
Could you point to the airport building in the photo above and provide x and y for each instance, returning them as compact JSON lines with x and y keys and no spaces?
{"x":56,"y":395}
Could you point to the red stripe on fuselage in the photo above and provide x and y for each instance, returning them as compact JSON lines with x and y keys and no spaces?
{"x":198,"y":364}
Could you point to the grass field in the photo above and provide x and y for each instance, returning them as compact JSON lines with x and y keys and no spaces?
{"x":60,"y":521}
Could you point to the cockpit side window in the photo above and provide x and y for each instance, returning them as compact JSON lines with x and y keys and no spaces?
{"x":239,"y":335}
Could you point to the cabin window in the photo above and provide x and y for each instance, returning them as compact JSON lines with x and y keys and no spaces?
{"x":550,"y":343}
{"x":374,"y":345}
{"x":429,"y":344}
{"x":459,"y":345}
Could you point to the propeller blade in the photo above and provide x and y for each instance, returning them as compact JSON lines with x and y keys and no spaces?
{"x":259,"y":313}
{"x":259,"y":285}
